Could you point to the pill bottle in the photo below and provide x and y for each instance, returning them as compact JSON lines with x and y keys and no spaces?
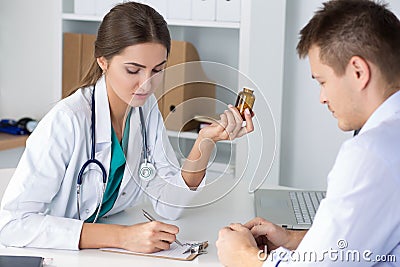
{"x":245,"y":99}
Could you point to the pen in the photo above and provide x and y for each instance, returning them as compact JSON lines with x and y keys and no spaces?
{"x":151,"y":218}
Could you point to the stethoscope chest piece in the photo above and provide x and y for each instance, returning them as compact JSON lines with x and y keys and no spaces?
{"x":147,"y":171}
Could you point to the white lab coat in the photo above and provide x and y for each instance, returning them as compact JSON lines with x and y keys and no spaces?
{"x":39,"y":206}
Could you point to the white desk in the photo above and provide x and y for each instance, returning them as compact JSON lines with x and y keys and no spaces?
{"x":201,"y":223}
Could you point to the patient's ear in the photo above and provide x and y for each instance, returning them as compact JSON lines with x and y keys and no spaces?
{"x":361,"y":71}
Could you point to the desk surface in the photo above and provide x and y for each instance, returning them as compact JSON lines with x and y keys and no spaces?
{"x":200,"y":223}
{"x":9,"y":141}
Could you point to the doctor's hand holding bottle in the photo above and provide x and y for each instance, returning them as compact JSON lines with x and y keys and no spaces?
{"x":229,"y":127}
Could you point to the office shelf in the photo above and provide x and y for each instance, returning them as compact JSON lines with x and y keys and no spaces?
{"x":171,"y":22}
{"x":222,"y":158}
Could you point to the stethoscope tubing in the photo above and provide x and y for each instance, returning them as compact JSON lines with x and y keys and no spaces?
{"x":94,"y":161}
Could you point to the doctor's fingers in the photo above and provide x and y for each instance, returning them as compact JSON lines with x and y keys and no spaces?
{"x":236,"y":114}
{"x":234,"y":121}
{"x":161,"y":245}
{"x":223,"y":122}
{"x":164,"y":237}
{"x":221,"y":125}
{"x":160,"y":227}
{"x":225,"y":126}
{"x":249,"y":125}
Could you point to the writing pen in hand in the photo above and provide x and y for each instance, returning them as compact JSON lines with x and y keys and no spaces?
{"x":151,"y":218}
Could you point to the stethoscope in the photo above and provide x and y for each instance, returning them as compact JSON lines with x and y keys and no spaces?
{"x":147,"y":171}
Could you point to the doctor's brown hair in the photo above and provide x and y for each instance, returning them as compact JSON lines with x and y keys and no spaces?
{"x":346,"y":28}
{"x":126,"y":24}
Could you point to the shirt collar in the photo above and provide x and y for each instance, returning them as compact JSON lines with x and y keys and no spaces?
{"x":386,"y":110}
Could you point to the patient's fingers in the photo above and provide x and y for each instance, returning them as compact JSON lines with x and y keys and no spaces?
{"x":256,"y":221}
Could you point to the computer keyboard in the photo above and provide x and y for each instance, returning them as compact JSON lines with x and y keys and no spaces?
{"x":305,"y":205}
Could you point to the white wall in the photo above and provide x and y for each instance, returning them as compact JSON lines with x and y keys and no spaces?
{"x":266,"y":70}
{"x":310,"y":136}
{"x":30,"y":76}
{"x":30,"y":65}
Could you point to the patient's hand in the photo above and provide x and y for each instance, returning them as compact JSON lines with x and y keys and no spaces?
{"x":274,"y":236}
{"x":237,"y":247}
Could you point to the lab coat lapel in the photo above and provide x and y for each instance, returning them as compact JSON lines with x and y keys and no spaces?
{"x":134,"y":149}
{"x":103,"y":125}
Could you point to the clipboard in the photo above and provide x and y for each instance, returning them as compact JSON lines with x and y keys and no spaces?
{"x":189,"y":251}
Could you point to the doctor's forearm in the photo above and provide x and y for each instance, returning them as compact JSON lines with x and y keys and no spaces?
{"x":97,"y":235}
{"x":194,"y":168}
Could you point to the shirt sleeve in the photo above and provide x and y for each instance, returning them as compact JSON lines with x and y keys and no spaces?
{"x":355,"y":222}
{"x":357,"y":214}
{"x":24,"y":215}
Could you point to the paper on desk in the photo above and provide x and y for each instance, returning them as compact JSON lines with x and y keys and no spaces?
{"x":175,"y":252}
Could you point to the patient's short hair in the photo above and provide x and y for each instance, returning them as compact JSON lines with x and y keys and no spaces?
{"x":346,"y":28}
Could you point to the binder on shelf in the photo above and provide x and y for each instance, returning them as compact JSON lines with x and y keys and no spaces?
{"x":228,"y":10}
{"x":103,"y":6}
{"x":179,"y":9}
{"x":84,"y":7}
{"x":159,"y":5}
{"x":203,"y":10}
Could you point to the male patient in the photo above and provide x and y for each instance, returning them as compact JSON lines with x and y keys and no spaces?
{"x":353,"y":47}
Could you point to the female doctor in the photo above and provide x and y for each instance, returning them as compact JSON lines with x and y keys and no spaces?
{"x":89,"y":157}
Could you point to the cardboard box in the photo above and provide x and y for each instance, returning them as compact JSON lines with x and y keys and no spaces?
{"x":203,"y":9}
{"x":179,"y":9}
{"x":87,"y":52}
{"x":228,"y":10}
{"x":78,"y":54}
{"x":186,"y":92}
